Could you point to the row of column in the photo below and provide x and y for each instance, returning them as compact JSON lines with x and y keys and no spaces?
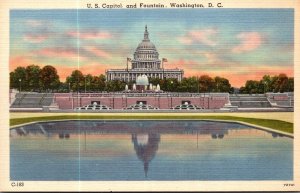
{"x":133,"y":76}
{"x":146,"y":56}
{"x":146,"y":65}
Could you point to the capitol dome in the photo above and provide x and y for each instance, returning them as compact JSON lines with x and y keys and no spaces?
{"x":142,"y":80}
{"x":146,"y":45}
{"x":146,"y":52}
{"x":146,"y":62}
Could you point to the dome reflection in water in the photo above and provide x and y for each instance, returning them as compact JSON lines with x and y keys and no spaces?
{"x":148,"y":150}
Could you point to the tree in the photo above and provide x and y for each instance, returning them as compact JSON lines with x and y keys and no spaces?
{"x":206,"y":83}
{"x":76,"y":80}
{"x":49,"y":79}
{"x":172,"y":84}
{"x":253,"y":87}
{"x":102,"y":82}
{"x":95,"y":83}
{"x":243,"y":90}
{"x":154,"y":81}
{"x":189,"y":84}
{"x":88,"y":83}
{"x":291,"y":84}
{"x":18,"y":78}
{"x":281,"y":84}
{"x":267,"y":82}
{"x":183,"y":86}
{"x":33,"y":77}
{"x":115,"y":85}
{"x":63,"y":87}
{"x":222,"y":85}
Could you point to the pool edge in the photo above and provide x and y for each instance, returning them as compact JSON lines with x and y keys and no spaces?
{"x":214,"y":120}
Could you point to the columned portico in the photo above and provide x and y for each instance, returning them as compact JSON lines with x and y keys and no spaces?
{"x":145,"y":62}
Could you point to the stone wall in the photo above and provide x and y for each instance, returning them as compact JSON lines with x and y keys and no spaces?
{"x":281,"y":99}
{"x":161,"y":101}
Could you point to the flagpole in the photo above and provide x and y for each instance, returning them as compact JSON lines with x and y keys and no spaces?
{"x":127,"y":70}
{"x":128,"y":59}
{"x":162,"y":62}
{"x":163,"y":68}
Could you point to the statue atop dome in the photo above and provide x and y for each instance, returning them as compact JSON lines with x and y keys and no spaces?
{"x":146,"y":34}
{"x":146,"y":55}
{"x":146,"y":62}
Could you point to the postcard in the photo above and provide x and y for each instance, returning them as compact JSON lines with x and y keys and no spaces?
{"x":149,"y":95}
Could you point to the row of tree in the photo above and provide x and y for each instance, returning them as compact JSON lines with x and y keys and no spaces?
{"x":280,"y":83}
{"x":33,"y":78}
{"x":203,"y":83}
{"x":46,"y":79}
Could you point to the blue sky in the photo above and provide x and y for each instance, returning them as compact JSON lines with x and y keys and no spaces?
{"x":238,"y":44}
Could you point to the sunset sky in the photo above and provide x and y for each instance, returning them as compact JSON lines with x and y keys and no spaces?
{"x":238,"y":44}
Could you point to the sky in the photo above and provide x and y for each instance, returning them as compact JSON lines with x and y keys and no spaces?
{"x":238,"y":44}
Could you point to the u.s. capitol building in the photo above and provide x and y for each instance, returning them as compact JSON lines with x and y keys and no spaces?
{"x":145,"y":62}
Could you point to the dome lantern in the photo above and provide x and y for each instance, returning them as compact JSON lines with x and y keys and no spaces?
{"x":146,"y":34}
{"x":146,"y":55}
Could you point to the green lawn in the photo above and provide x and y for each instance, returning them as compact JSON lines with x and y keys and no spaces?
{"x":273,"y":124}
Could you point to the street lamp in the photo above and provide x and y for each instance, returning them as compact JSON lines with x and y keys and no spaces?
{"x":69,"y":87}
{"x":84,"y":84}
{"x":198,"y":84}
{"x":171,"y":94}
{"x":89,"y":85}
{"x":20,"y":80}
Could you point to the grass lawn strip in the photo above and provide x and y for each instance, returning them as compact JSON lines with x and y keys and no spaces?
{"x":283,"y":116}
{"x":267,"y":123}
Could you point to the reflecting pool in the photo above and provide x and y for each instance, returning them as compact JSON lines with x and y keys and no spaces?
{"x":148,"y":150}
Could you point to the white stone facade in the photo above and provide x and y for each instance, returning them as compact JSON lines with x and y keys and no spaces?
{"x":145,"y":62}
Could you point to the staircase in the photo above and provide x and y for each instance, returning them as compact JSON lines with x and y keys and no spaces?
{"x":32,"y":100}
{"x":248,"y":101}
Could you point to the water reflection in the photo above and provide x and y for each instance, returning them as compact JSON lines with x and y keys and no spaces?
{"x":111,"y":140}
{"x":64,"y":129}
{"x":146,"y":146}
{"x":63,"y":135}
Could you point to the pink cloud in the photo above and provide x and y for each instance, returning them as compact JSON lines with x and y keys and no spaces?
{"x":239,"y":80}
{"x":61,"y":53}
{"x":90,"y":35}
{"x":199,"y":36}
{"x":180,"y":64}
{"x":17,"y":61}
{"x":98,"y":52}
{"x":212,"y":58}
{"x":241,"y":74}
{"x":248,"y":41}
{"x":35,"y":38}
{"x":236,"y":73}
{"x":34,"y":23}
{"x":185,"y":40}
{"x":94,"y":68}
{"x":212,"y":62}
{"x":62,"y":70}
